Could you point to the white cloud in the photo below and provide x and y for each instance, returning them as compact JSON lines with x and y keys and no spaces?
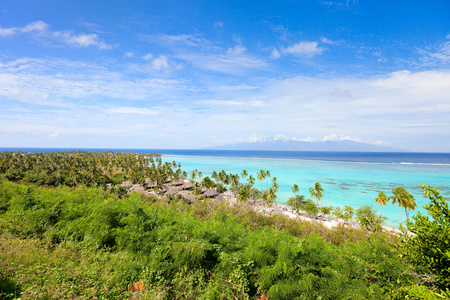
{"x":443,"y":53}
{"x":255,"y":138}
{"x":147,"y":56}
{"x":275,"y":54}
{"x":341,"y":137}
{"x":67,"y":37}
{"x":326,"y":41}
{"x":234,"y":61}
{"x":236,"y":50}
{"x":203,"y":54}
{"x":222,"y":102}
{"x":81,"y":40}
{"x":160,"y":63}
{"x":190,"y":40}
{"x":7,"y":31}
{"x":436,"y":56}
{"x":128,"y":54}
{"x":303,"y":48}
{"x":47,"y":81}
{"x":425,"y":124}
{"x":410,"y":105}
{"x":38,"y":26}
{"x":133,"y":110}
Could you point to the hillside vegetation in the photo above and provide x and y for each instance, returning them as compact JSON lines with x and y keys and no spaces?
{"x":83,"y":241}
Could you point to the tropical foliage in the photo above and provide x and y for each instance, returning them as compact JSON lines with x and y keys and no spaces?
{"x":178,"y":250}
{"x":65,"y":234}
{"x":429,"y":246}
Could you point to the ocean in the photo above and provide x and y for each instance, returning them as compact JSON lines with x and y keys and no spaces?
{"x":348,"y":178}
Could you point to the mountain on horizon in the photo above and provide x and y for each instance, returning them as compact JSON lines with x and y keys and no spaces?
{"x":293,"y":145}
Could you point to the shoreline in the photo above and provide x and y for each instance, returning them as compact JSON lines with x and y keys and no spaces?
{"x":330,"y":222}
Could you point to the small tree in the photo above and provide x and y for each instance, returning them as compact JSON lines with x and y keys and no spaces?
{"x":348,"y":213}
{"x":326,"y":210}
{"x":296,"y":202}
{"x":337,"y":212}
{"x":368,"y":219}
{"x":429,"y":247}
{"x":345,"y":214}
{"x":310,"y":208}
{"x":243,"y":195}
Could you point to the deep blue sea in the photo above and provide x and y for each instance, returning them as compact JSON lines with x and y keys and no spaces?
{"x":348,"y":178}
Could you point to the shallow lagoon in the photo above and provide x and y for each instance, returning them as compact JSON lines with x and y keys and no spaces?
{"x":344,"y":182}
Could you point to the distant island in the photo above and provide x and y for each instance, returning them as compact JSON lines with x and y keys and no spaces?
{"x":293,"y":145}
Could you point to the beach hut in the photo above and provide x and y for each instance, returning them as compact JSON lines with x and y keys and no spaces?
{"x":165,"y":187}
{"x":211,"y":193}
{"x":187,"y":195}
{"x":187,"y":186}
{"x":178,"y":182}
{"x":171,"y":191}
{"x":150,"y":184}
{"x":138,"y":188}
{"x":220,"y":198}
{"x":126,"y":184}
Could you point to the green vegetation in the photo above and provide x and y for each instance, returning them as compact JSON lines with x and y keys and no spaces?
{"x":429,"y":247}
{"x":189,"y":251}
{"x":80,"y":240}
{"x":368,"y":218}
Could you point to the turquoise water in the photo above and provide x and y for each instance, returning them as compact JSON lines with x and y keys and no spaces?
{"x":348,"y":178}
{"x":344,"y":183}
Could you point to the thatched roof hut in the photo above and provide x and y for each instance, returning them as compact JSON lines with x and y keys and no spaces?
{"x":211,"y":193}
{"x":126,"y":184}
{"x":137,"y":188}
{"x":171,"y":191}
{"x":165,"y":187}
{"x":220,"y":198}
{"x":187,"y":185}
{"x":150,"y":184}
{"x":177,"y":182}
{"x":187,"y":195}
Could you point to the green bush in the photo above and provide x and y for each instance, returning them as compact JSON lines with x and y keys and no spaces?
{"x":368,"y":218}
{"x":429,"y":246}
{"x":202,"y":251}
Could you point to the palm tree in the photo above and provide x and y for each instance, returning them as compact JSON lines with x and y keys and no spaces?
{"x":295,"y":189}
{"x":316,"y":192}
{"x":400,"y":197}
{"x":382,"y":200}
{"x":267,"y":176}
{"x":261,"y":175}
{"x":271,"y":196}
{"x":410,"y":204}
{"x":244,"y":174}
{"x":234,"y":182}
{"x":214,"y":176}
{"x":275,"y":187}
{"x":251,"y":181}
{"x":243,"y":195}
{"x":207,"y":182}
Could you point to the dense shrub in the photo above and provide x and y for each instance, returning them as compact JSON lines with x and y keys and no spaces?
{"x":203,"y":250}
{"x":429,"y":245}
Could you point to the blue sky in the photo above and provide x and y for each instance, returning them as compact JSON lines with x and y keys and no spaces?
{"x":193,"y":74}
